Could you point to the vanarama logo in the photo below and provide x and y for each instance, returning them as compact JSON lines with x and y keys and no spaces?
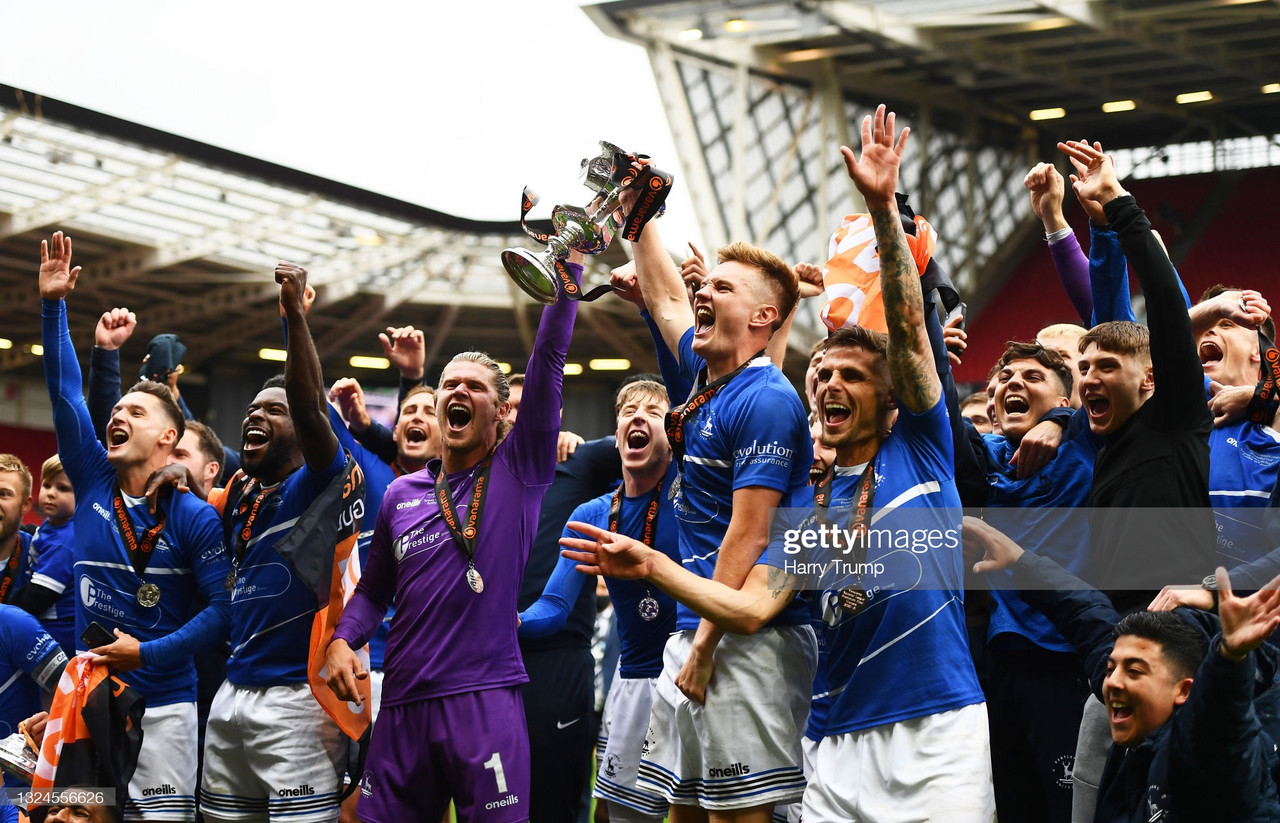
{"x":733,"y":770}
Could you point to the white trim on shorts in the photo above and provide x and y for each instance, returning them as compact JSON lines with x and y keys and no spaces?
{"x":936,"y":767}
{"x":272,"y":753}
{"x":631,"y":701}
{"x":163,"y":786}
{"x":742,"y":747}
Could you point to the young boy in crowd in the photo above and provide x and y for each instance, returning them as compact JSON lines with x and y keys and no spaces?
{"x":49,"y":593}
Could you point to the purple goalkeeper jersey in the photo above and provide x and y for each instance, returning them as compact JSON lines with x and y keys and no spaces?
{"x":445,"y":639}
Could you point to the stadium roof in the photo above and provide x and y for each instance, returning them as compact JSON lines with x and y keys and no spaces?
{"x":1000,"y":60}
{"x":187,"y":235}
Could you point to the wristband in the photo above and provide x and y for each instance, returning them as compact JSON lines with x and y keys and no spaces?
{"x":1060,"y":234}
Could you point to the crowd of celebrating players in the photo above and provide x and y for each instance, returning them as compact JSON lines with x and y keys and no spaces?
{"x":869,"y":600}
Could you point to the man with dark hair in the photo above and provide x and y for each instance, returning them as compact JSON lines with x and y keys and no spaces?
{"x":113,"y":330}
{"x":1244,"y":454}
{"x":271,"y":751}
{"x":1186,"y":740}
{"x":1034,"y":688}
{"x":200,"y":450}
{"x":138,"y":573}
{"x":450,"y":546}
{"x":974,"y":409}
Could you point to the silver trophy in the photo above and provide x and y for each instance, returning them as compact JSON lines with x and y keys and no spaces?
{"x":588,"y":230}
{"x":16,"y":758}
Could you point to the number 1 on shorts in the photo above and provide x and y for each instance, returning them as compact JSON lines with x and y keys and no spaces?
{"x":495,"y":763}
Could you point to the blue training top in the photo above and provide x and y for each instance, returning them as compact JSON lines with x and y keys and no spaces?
{"x":189,"y":562}
{"x":52,"y":566}
{"x":753,"y":432}
{"x":641,"y":641}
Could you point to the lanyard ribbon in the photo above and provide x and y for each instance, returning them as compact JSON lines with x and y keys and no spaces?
{"x":863,"y":499}
{"x":138,"y":549}
{"x":11,"y":568}
{"x":677,"y":417}
{"x":240,"y":541}
{"x":465,"y":536}
{"x":650,"y":515}
{"x":1261,"y":406}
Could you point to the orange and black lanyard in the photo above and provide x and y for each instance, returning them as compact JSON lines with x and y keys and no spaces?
{"x":678,"y":416}
{"x":465,"y":536}
{"x":240,"y":541}
{"x":650,"y":514}
{"x":11,"y":568}
{"x":138,"y":549}
{"x":1262,"y":404}
{"x":853,"y":599}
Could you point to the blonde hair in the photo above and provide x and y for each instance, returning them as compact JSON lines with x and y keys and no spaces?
{"x":51,"y":469}
{"x":777,"y":275}
{"x":11,"y":463}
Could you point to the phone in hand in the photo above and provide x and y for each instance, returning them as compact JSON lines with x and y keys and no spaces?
{"x":96,"y":636}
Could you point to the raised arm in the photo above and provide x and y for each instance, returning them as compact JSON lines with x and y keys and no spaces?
{"x":114,"y":328}
{"x":662,"y":287}
{"x":1180,"y":385}
{"x":61,"y":369}
{"x":304,"y":383}
{"x":1047,"y":189}
{"x":915,"y":380}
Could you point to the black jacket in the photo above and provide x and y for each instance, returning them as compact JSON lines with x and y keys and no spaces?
{"x":1213,"y":760}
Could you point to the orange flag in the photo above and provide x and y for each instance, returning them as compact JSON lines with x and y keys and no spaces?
{"x":851,"y":277}
{"x":94,"y":731}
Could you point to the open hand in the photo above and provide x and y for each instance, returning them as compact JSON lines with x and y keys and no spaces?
{"x":406,"y":349}
{"x":875,"y":173}
{"x":603,"y":552}
{"x":57,"y":278}
{"x":998,"y":551}
{"x":1094,"y":182}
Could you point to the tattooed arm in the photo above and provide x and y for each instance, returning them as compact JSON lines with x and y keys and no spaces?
{"x":915,"y":379}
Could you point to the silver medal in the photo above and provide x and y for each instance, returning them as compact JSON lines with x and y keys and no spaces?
{"x":648,"y":608}
{"x":148,"y":595}
{"x":474,"y":580}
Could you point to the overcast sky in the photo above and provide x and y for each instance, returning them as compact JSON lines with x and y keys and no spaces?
{"x":453,"y":105}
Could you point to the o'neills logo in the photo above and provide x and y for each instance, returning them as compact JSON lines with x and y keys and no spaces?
{"x":304,"y":790}
{"x":734,"y":770}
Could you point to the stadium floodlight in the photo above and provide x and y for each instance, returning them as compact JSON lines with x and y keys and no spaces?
{"x":1048,"y":114}
{"x":1119,"y":105}
{"x":1193,"y":97}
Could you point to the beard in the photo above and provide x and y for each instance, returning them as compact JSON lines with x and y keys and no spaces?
{"x":271,"y":462}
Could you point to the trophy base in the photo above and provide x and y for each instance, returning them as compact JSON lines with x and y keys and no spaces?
{"x":532,"y":274}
